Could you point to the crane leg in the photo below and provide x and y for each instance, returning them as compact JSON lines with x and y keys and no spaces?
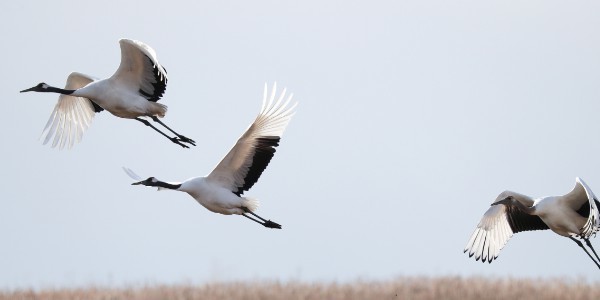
{"x":266,"y":223}
{"x":588,"y":253}
{"x":587,"y":241}
{"x":172,"y":139}
{"x":181,"y":137}
{"x":253,"y":219}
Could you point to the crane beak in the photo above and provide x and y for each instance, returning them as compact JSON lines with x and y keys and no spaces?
{"x":27,"y":90}
{"x":138,"y":183}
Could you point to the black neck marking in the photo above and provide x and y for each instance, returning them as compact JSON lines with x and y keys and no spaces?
{"x":167,"y":185}
{"x":59,"y":90}
{"x":52,"y":89}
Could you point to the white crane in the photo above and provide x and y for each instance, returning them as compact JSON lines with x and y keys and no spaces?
{"x":131,"y":92}
{"x":221,"y":191}
{"x":574,"y":215}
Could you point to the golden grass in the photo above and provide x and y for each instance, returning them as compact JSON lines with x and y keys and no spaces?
{"x":418,"y":288}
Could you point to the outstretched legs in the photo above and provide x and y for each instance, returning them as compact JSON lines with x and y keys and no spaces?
{"x":181,"y":137}
{"x":587,"y":241}
{"x":590,"y":245}
{"x":266,"y":223}
{"x":172,"y":139}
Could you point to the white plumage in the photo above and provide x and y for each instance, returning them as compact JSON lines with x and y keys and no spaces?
{"x":221,"y":191}
{"x":574,"y":215}
{"x":131,"y":92}
{"x":71,"y":116}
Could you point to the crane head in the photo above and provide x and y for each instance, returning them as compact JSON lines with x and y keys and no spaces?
{"x":41,"y":87}
{"x":506,"y":200}
{"x":151,"y":181}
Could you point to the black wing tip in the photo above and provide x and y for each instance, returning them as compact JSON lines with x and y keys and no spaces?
{"x":97,"y":107}
{"x":159,"y":86}
{"x":521,"y":221}
{"x":264,"y":151}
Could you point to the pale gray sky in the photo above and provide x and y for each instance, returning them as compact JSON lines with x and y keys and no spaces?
{"x":413,"y":117}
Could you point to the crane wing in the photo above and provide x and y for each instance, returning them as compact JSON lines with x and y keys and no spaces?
{"x":140,"y":70}
{"x":71,"y":115}
{"x":132,"y":174}
{"x":245,"y":162}
{"x":583,"y":200}
{"x":497,"y":226}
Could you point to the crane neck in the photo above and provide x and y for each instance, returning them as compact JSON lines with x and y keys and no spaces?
{"x":166,"y":185}
{"x":52,"y":89}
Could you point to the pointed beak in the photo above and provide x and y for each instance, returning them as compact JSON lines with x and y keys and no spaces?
{"x":138,"y":183}
{"x":27,"y":90}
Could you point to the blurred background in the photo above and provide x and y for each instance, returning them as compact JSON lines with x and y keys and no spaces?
{"x":413,"y":117}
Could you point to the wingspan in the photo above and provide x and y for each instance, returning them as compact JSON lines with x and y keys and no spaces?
{"x":71,"y":115}
{"x":139,"y":68}
{"x":245,"y":162}
{"x":497,"y":226}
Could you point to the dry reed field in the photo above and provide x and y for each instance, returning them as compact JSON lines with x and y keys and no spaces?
{"x":401,"y":288}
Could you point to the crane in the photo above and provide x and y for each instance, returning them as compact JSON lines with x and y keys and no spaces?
{"x":131,"y":92}
{"x":574,"y":215}
{"x":221,"y":191}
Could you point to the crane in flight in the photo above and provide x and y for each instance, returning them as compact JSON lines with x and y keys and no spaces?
{"x":574,"y":215}
{"x":131,"y":92}
{"x":221,"y":191}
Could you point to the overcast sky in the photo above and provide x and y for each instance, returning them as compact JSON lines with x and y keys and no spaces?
{"x":413,"y":117}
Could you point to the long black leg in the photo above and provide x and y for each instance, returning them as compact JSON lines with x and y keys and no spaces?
{"x":172,"y":139}
{"x":587,"y":241}
{"x":181,"y":137}
{"x":266,"y":223}
{"x":253,"y":219}
{"x":581,"y":245}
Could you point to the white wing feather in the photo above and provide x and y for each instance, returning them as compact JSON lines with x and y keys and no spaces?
{"x":592,"y":225}
{"x":132,"y":174}
{"x":134,"y":69}
{"x":490,"y":236}
{"x":271,"y":122}
{"x":71,"y":115}
{"x":494,"y":230}
{"x":498,"y":225}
